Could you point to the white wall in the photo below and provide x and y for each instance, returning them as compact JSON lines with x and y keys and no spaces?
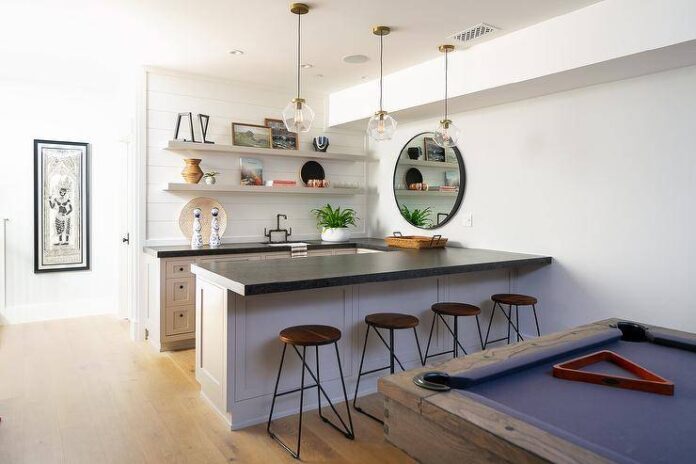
{"x":248,"y":214}
{"x":602,"y":178}
{"x":74,"y":112}
{"x":595,"y":42}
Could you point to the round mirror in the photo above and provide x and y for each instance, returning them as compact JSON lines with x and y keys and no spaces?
{"x":429,"y":182}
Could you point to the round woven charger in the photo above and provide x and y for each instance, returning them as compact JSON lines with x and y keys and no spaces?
{"x":205,"y":205}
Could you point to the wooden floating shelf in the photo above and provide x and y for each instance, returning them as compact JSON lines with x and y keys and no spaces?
{"x":428,"y":164}
{"x":222,"y":188}
{"x":175,"y":145}
{"x":425,"y":193}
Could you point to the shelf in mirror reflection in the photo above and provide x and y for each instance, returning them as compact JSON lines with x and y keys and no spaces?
{"x":428,"y":164}
{"x":426,"y":193}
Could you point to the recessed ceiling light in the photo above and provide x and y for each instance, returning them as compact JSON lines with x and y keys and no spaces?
{"x":236,"y":52}
{"x":364,"y":78}
{"x":307,"y":66}
{"x":319,"y":75}
{"x":355,"y":59}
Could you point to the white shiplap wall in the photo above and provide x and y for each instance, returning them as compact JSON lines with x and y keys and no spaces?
{"x":248,"y":213}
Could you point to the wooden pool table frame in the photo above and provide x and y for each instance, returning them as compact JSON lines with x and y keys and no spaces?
{"x":447,"y":427}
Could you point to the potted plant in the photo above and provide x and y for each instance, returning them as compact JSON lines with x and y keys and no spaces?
{"x":209,"y":177}
{"x":334,"y":223}
{"x":418,"y":217}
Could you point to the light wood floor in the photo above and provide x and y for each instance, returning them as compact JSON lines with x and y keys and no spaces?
{"x":79,"y":391}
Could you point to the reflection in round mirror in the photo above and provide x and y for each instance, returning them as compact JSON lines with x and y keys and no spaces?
{"x":429,"y":182}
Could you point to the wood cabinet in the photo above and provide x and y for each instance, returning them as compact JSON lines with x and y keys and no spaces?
{"x":171,"y":293}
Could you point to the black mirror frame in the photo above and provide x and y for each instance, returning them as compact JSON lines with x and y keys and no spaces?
{"x":462,"y":184}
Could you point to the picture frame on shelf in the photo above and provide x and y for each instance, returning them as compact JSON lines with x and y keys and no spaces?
{"x":61,"y":206}
{"x":251,"y":135}
{"x":452,"y":178}
{"x":433,"y":151}
{"x":251,"y":171}
{"x":281,"y":138}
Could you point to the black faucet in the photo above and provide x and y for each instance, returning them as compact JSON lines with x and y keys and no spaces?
{"x":286,"y":233}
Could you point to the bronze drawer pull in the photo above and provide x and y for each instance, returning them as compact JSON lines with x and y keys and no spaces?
{"x":181,"y":287}
{"x":181,"y":314}
{"x":181,"y":269}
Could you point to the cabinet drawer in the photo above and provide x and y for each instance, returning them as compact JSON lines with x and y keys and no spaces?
{"x":175,"y":269}
{"x":181,"y":291}
{"x":345,"y":251}
{"x":320,"y":253}
{"x":179,"y":320}
{"x":230,"y":259}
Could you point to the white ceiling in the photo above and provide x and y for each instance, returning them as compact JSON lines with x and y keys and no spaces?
{"x":195,"y":35}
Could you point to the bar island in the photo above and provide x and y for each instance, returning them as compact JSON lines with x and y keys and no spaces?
{"x":242,"y":306}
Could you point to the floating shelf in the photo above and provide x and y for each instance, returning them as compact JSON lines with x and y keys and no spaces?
{"x":222,"y":188}
{"x":428,"y":164}
{"x":425,"y":193}
{"x":175,"y":145}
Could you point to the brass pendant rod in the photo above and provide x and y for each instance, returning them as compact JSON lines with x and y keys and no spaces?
{"x":381,"y":63}
{"x":299,"y":43}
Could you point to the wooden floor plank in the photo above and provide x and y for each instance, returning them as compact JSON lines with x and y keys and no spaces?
{"x":79,"y":391}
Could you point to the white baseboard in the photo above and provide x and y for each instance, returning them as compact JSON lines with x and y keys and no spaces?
{"x":20,"y":314}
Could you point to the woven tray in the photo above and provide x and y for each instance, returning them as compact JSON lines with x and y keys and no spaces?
{"x":415,"y":241}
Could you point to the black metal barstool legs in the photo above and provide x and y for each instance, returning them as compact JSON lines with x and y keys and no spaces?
{"x":310,"y":336}
{"x":391,"y":322}
{"x":511,"y":299}
{"x":456,"y":310}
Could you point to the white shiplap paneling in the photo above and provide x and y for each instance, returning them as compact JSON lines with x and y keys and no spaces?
{"x":226,"y":102}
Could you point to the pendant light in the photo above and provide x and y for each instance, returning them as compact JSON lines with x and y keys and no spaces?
{"x":447,"y":134}
{"x":298,"y":116}
{"x":381,"y":126}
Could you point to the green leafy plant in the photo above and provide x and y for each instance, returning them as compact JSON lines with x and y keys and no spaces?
{"x":211,"y":174}
{"x":417,"y":217}
{"x":334,"y":218}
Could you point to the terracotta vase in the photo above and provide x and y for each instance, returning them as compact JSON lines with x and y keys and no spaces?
{"x":192,"y":173}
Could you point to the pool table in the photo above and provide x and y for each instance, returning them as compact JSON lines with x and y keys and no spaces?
{"x":505,"y":404}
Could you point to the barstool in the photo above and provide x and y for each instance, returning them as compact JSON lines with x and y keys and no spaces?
{"x":310,"y":336}
{"x":516,"y":300}
{"x":456,"y":310}
{"x":391,"y":322}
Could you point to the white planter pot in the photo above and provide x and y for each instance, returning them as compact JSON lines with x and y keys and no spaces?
{"x":209,"y":180}
{"x":335,"y":235}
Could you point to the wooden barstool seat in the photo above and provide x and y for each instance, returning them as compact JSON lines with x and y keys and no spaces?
{"x":514,"y":299}
{"x":456,"y":309}
{"x":511,"y":300}
{"x":391,"y":321}
{"x":310,"y":335}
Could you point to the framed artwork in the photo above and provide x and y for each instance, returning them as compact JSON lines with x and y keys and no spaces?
{"x":433,"y":151}
{"x":61,"y":206}
{"x":281,"y":138}
{"x":452,"y":178}
{"x":251,"y":135}
{"x":251,"y":171}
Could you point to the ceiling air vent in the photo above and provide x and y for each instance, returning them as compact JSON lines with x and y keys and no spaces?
{"x":474,"y":32}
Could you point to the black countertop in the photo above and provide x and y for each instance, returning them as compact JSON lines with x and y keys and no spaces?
{"x":182,"y":251}
{"x":261,"y":277}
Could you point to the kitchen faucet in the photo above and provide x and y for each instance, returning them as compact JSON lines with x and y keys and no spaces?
{"x":286,"y":233}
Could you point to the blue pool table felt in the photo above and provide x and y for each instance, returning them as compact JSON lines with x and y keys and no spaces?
{"x":623,"y":425}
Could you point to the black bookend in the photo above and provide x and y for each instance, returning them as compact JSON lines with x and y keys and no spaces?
{"x":204,"y":119}
{"x":178,"y":126}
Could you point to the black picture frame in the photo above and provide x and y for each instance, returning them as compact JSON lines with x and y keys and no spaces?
{"x":85,"y":206}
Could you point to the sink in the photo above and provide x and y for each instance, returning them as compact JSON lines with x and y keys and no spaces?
{"x":288,"y":244}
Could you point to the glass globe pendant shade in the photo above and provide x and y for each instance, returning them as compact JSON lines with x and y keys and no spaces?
{"x":381,"y":126}
{"x":298,"y":116}
{"x":447,"y":134}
